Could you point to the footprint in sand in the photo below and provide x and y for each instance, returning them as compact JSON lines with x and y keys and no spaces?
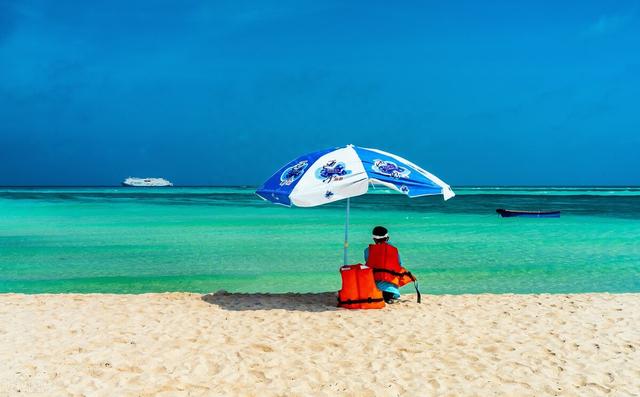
{"x":490,"y":349}
{"x":263,"y":348}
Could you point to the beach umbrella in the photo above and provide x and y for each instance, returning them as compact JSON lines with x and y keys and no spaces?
{"x":340,"y":173}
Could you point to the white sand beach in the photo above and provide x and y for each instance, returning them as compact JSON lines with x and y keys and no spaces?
{"x":180,"y":344}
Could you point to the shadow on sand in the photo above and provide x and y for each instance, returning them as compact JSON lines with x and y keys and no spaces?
{"x":319,"y":302}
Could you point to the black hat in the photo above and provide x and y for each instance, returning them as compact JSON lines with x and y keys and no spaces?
{"x":380,"y":232}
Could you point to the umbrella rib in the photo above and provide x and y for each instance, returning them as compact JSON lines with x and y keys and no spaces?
{"x":358,"y":181}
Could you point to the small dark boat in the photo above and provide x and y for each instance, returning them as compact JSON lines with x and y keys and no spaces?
{"x":528,"y":214}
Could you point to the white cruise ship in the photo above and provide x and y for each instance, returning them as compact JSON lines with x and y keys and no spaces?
{"x":146,"y":182}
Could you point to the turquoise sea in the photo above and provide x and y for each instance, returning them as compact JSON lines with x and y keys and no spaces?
{"x":127,"y":240}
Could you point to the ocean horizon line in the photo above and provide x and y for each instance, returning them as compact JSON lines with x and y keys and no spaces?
{"x":256,"y":186}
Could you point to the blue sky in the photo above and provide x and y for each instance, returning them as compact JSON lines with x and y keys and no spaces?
{"x":226,"y":92}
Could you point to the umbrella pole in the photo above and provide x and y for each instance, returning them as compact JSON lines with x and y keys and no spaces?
{"x":346,"y":233}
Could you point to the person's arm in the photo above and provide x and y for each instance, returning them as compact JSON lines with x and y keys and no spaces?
{"x":366,"y":254}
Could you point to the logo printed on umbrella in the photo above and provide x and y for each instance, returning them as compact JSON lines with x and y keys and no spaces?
{"x":292,"y":173}
{"x":328,"y":194}
{"x":332,"y":171}
{"x":389,"y":168}
{"x":404,"y":189}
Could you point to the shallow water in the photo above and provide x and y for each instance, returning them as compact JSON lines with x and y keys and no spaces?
{"x":205,"y":239}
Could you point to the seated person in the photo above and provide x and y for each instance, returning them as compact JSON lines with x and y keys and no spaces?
{"x":384,"y":259}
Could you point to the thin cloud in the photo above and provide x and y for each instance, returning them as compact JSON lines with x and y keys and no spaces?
{"x":607,"y":24}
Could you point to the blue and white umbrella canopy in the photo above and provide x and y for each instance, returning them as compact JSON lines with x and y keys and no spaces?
{"x":338,"y":173}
